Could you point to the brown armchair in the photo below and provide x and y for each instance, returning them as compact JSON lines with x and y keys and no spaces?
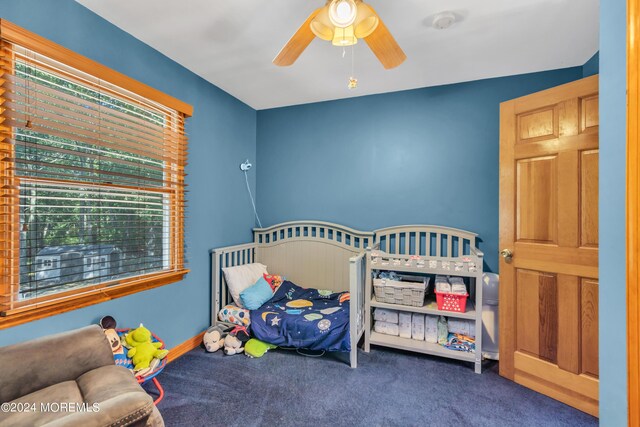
{"x":70,"y":379}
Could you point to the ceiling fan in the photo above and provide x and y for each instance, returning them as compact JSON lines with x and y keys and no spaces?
{"x":343,"y":22}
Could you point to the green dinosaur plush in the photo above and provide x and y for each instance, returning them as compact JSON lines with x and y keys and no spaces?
{"x":142,"y":349}
{"x":257,"y":348}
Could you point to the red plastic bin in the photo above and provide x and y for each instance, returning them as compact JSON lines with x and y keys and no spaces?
{"x":452,"y":302}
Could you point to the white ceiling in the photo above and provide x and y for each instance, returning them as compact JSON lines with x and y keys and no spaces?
{"x":231,"y":43}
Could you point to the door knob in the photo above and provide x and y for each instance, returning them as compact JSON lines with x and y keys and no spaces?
{"x":506,"y":254}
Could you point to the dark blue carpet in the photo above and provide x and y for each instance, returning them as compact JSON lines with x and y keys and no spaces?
{"x":389,"y":388}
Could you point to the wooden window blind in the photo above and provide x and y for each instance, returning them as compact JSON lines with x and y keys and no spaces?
{"x":92,"y":174}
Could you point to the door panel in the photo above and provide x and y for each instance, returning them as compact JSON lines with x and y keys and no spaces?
{"x":589,"y":198}
{"x":569,"y":323}
{"x":589,"y":333}
{"x":528,"y":291}
{"x":536,"y":191}
{"x":589,"y":114}
{"x":548,"y":321}
{"x":537,"y":309}
{"x":538,"y":125}
{"x":549,"y":220}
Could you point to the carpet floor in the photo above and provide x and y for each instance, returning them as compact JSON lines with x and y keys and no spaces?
{"x":389,"y":388}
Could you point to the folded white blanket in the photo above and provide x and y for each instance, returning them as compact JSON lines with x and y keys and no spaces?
{"x":386,"y":328}
{"x":462,"y":327}
{"x":385,"y":315}
{"x":417,"y":326}
{"x":442,"y":284}
{"x":457,"y":285}
{"x":431,"y":328}
{"x":404,"y":321}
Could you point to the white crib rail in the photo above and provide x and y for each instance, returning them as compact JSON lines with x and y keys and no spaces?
{"x":357,"y":303}
{"x":427,"y":240}
{"x":339,"y":235}
{"x":229,"y":256}
{"x":314,"y":254}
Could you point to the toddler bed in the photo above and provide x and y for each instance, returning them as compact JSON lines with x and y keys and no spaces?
{"x":320,"y":305}
{"x":304,"y":318}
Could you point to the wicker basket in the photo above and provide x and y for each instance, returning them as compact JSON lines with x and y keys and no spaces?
{"x":403,"y":292}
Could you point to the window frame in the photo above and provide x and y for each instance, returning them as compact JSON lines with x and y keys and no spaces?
{"x":10,"y":260}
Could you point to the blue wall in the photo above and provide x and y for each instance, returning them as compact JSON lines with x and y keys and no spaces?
{"x":592,"y":66}
{"x":221,"y":134}
{"x":425,"y":156}
{"x":612,"y":298}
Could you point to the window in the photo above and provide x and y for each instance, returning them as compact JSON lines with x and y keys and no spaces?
{"x":92,"y":180}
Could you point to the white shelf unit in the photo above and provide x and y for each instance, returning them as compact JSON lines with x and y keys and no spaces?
{"x":426,"y":250}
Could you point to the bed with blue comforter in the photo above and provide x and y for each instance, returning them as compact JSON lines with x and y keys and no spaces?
{"x":304,"y":318}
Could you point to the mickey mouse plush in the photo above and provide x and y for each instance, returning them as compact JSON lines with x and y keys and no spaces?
{"x":214,"y":337}
{"x":234,"y":342}
{"x":108,"y":324}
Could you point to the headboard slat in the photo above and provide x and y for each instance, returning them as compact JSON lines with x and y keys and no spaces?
{"x":423,"y":244}
{"x":313,"y":254}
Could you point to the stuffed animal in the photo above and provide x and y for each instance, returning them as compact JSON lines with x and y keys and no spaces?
{"x":114,"y":341}
{"x":108,"y":324}
{"x":232,"y":345}
{"x":240,"y":332}
{"x":257,"y":348}
{"x":142,"y":349}
{"x":234,"y":342}
{"x":213,"y":339}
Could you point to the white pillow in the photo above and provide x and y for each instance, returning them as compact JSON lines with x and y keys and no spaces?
{"x":241,"y":277}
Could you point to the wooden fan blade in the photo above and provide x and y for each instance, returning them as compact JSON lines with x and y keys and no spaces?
{"x":385,"y":47}
{"x":297,"y":44}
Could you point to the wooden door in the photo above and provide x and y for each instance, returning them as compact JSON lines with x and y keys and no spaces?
{"x":549,"y":223}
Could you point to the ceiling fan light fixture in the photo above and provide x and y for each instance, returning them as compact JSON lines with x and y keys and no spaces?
{"x":322,"y":26}
{"x":344,"y":22}
{"x":344,"y":36}
{"x":342,"y":13}
{"x":366,"y":21}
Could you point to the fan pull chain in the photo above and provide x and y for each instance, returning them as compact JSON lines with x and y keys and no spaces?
{"x":353,"y":82}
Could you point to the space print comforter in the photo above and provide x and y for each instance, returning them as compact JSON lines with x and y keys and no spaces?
{"x":304,"y":318}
